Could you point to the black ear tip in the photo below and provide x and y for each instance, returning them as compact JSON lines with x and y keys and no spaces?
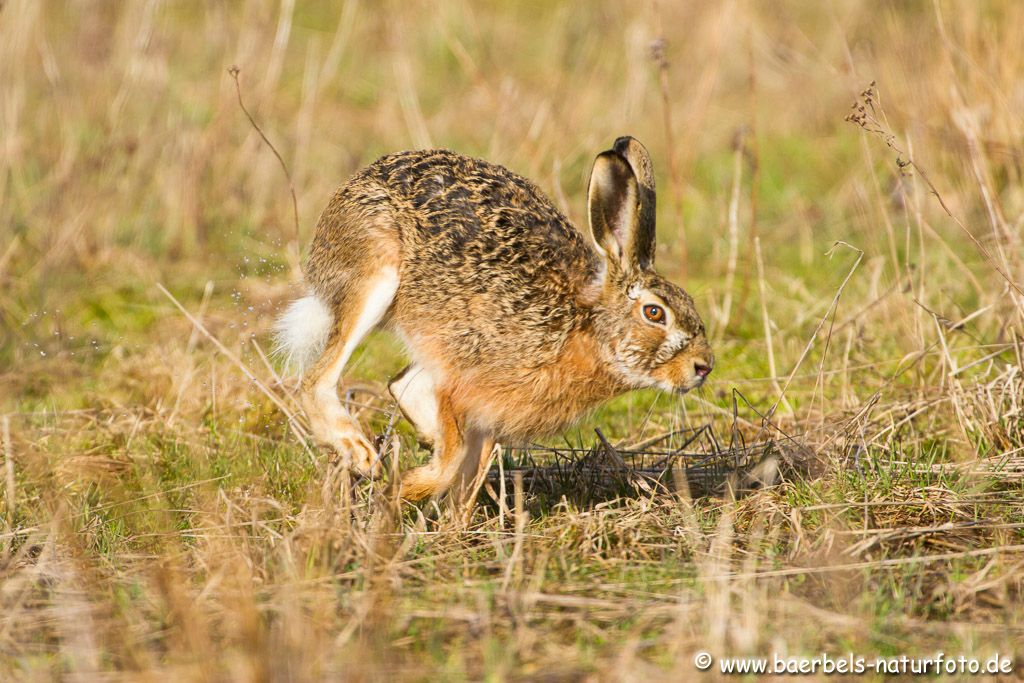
{"x":628,"y":147}
{"x":622,"y":143}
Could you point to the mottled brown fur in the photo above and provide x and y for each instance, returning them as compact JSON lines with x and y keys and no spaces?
{"x":523,"y":322}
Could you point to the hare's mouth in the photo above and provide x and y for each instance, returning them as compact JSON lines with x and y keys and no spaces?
{"x":675,"y":387}
{"x":695,"y":383}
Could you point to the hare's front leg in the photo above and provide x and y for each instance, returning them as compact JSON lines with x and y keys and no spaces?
{"x":359,"y":312}
{"x":457,"y":446}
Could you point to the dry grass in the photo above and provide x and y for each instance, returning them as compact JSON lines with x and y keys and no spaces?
{"x":851,"y":480}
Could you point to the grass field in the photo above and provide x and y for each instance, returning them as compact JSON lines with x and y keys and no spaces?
{"x":859,"y":271}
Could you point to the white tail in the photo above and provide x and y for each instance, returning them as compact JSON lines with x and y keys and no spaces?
{"x":301,"y":332}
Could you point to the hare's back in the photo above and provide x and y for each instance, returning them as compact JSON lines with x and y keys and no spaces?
{"x":489,"y":265}
{"x":439,"y":192}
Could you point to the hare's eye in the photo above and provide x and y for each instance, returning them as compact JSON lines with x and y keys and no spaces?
{"x":654,"y":313}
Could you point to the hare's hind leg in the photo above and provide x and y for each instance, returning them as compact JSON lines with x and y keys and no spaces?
{"x":464,"y":486}
{"x":364,"y":306}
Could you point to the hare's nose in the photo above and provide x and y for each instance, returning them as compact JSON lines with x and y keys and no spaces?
{"x":702,"y":369}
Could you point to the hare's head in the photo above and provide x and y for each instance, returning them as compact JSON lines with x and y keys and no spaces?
{"x":650,"y":326}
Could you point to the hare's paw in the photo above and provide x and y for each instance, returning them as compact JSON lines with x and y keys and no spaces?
{"x":358,"y":453}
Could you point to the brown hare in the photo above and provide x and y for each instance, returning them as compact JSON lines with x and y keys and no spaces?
{"x":516,"y":322}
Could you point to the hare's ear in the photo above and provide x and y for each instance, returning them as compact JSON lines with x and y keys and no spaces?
{"x":622,"y":205}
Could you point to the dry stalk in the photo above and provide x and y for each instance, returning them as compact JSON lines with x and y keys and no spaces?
{"x":755,"y":169}
{"x":733,"y":232}
{"x":9,"y":252}
{"x":767,"y":324}
{"x":870,"y":564}
{"x":513,"y":565}
{"x":5,"y":436}
{"x":661,"y":61}
{"x":294,"y":420}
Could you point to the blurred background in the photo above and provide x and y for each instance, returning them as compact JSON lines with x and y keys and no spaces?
{"x":840,"y":188}
{"x":126,"y":158}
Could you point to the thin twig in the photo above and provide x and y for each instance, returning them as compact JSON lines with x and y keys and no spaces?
{"x":821,"y":323}
{"x":864,"y":117}
{"x":234,"y":71}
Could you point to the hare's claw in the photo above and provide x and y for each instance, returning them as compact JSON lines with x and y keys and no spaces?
{"x":358,"y":453}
